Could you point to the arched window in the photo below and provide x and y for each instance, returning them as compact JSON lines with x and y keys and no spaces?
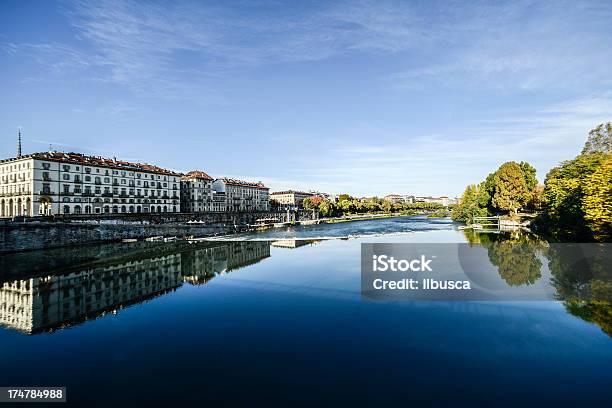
{"x":66,"y":209}
{"x":131,"y":210}
{"x":77,"y":209}
{"x":115,"y":209}
{"x":165,"y":208}
{"x":87,"y":209}
{"x":106,"y":209}
{"x":123,"y":208}
{"x":138,"y":209}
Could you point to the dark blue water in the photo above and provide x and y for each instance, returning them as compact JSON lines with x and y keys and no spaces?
{"x":283,"y":322}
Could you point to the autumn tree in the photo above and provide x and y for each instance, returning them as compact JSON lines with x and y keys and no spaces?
{"x":510,"y":191}
{"x":596,"y":203}
{"x":564,"y":195}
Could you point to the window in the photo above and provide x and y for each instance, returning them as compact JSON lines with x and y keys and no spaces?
{"x":46,"y":166}
{"x":87,"y":170}
{"x":87,"y":178}
{"x":106,"y":179}
{"x":66,"y":167}
{"x":66,"y":209}
{"x":66,"y":176}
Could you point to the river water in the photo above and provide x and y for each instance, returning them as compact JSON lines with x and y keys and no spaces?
{"x":265,"y":317}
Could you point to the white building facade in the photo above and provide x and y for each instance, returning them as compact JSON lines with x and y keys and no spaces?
{"x":240,"y":196}
{"x":70,"y":183}
{"x":196,"y":192}
{"x":289,"y":198}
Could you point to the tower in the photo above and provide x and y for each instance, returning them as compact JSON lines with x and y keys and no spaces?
{"x":19,"y":143}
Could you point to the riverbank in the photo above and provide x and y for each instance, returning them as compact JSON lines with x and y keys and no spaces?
{"x":37,"y":234}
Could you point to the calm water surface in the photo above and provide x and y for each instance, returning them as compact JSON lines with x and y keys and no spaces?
{"x":264,"y":317}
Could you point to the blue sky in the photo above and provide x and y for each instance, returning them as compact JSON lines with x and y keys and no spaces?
{"x":365,"y":97}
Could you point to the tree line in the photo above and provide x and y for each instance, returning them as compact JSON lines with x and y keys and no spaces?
{"x":573,"y":204}
{"x":347,"y":205}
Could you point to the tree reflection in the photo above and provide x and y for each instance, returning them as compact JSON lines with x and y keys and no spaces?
{"x":583,"y":279}
{"x":580,"y":273}
{"x":515,"y":254}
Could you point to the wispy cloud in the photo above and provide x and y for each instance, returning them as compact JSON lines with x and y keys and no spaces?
{"x":514,"y":46}
{"x":445,"y":163}
{"x":185,"y":50}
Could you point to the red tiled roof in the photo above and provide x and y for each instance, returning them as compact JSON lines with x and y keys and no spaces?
{"x":243,"y":183}
{"x":197,"y":174}
{"x":78,"y":158}
{"x":292,"y":192}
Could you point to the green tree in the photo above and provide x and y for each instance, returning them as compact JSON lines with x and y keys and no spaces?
{"x":326,"y":208}
{"x":529,"y":173}
{"x":599,"y":140}
{"x":510,"y":188}
{"x":386,"y":206}
{"x":343,"y":197}
{"x":471,"y":204}
{"x":308,"y":204}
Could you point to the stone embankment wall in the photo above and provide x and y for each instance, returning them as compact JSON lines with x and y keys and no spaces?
{"x":39,"y":233}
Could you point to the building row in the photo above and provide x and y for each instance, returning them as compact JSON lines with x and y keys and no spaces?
{"x":51,"y":183}
{"x":397,"y":198}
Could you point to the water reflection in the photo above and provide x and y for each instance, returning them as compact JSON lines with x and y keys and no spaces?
{"x":516,"y":254}
{"x":53,"y":301}
{"x":580,"y":273}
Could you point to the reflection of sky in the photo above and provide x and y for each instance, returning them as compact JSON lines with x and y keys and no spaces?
{"x":296,"y":320}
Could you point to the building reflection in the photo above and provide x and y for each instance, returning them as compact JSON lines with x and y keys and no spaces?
{"x":53,"y":301}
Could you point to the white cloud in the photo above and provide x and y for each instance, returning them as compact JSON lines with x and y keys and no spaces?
{"x":446,"y":163}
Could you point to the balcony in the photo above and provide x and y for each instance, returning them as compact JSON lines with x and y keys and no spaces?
{"x":46,"y":178}
{"x":46,"y":192}
{"x":87,"y":194}
{"x":123,"y":195}
{"x":107,"y":194}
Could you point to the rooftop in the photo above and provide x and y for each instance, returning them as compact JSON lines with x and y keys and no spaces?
{"x":242,"y":183}
{"x":197,"y":174}
{"x":292,"y":192}
{"x":78,"y":158}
